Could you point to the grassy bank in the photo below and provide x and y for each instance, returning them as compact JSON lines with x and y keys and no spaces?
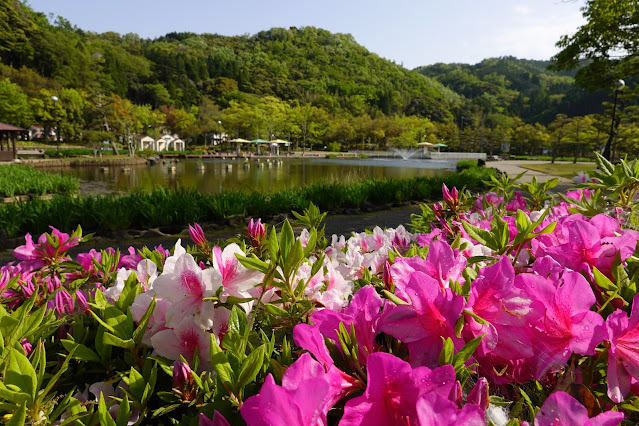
{"x":560,"y":169}
{"x":23,"y":180}
{"x":161,"y":207}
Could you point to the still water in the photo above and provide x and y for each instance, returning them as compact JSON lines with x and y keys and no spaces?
{"x":217,"y":175}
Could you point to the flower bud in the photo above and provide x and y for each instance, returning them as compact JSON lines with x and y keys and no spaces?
{"x":182,"y":375}
{"x":64,"y":302}
{"x":197,"y":235}
{"x":81,"y":300}
{"x":479,"y":395}
{"x":451,"y":198}
{"x":388,"y":277}
{"x":26,"y":346}
{"x":256,"y":231}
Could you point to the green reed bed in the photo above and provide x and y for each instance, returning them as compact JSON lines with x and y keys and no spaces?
{"x":140,"y":209}
{"x":22,"y":180}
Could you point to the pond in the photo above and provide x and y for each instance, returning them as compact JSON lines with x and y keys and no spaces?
{"x":266,"y":175}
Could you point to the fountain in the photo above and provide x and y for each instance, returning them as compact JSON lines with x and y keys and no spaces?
{"x":405,"y":153}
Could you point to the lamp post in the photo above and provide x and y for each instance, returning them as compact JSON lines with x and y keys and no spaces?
{"x":607,"y":149}
{"x":57,"y":126}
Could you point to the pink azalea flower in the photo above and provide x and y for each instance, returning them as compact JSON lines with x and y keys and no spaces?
{"x":393,"y":389}
{"x":277,"y":406}
{"x":422,"y":324}
{"x":436,"y":410}
{"x":506,"y":307}
{"x":237,"y":280}
{"x":186,"y":286}
{"x":363,"y":313}
{"x":441,"y":263}
{"x":332,"y":290}
{"x":131,"y":260}
{"x":44,"y":253}
{"x":623,"y":355}
{"x":568,"y":324}
{"x":183,"y":340}
{"x":305,"y":368}
{"x":424,"y":240}
{"x":562,"y":409}
{"x":218,"y":420}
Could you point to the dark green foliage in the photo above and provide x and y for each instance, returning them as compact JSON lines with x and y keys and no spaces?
{"x":161,"y":206}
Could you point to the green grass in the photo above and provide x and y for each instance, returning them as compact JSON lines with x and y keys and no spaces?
{"x":145,"y":209}
{"x":22,"y":180}
{"x":549,"y":158}
{"x":556,"y":169}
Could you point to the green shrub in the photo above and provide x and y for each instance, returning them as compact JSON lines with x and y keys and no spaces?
{"x":466,"y":164}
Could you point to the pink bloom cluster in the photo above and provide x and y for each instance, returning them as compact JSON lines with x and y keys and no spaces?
{"x":535,"y":308}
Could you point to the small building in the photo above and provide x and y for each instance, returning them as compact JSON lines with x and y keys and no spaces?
{"x":8,"y":136}
{"x":146,"y":143}
{"x":169,"y":143}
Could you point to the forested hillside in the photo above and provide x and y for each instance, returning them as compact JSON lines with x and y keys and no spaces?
{"x":305,"y":84}
{"x":517,"y":88}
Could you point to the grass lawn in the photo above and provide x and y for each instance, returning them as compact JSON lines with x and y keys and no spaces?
{"x":567,"y":170}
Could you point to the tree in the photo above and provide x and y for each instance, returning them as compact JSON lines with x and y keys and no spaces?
{"x":47,"y":111}
{"x":14,"y":105}
{"x":559,"y":130}
{"x":605,"y":49}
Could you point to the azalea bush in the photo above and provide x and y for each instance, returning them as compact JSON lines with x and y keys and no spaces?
{"x":508,"y":307}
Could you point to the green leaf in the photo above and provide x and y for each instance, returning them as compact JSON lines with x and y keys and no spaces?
{"x":110,"y":339}
{"x":287,"y":239}
{"x":103,"y":413}
{"x":121,"y":324}
{"x":273,"y":245}
{"x":19,"y":417}
{"x":138,"y":334}
{"x":220,"y":363}
{"x":275,"y":310}
{"x":396,"y":300}
{"x":253,"y":262}
{"x":124,"y":412}
{"x":250,"y":367}
{"x":238,"y":321}
{"x":602,"y":281}
{"x":82,"y":352}
{"x":56,"y":377}
{"x":13,"y":395}
{"x":466,"y":352}
{"x":293,"y":258}
{"x":310,"y":246}
{"x":136,"y":384}
{"x":447,"y":352}
{"x":17,"y":320}
{"x":480,"y":235}
{"x":20,"y":372}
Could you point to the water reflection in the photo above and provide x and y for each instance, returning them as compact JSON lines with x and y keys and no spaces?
{"x":215,"y":175}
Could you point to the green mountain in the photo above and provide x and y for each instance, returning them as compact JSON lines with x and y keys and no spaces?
{"x":331,"y":70}
{"x":306,"y":84}
{"x":516,"y":88}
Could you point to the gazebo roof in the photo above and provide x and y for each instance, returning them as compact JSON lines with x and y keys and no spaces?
{"x":6,"y":127}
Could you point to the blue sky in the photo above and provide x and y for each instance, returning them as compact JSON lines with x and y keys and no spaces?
{"x":409,"y":32}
